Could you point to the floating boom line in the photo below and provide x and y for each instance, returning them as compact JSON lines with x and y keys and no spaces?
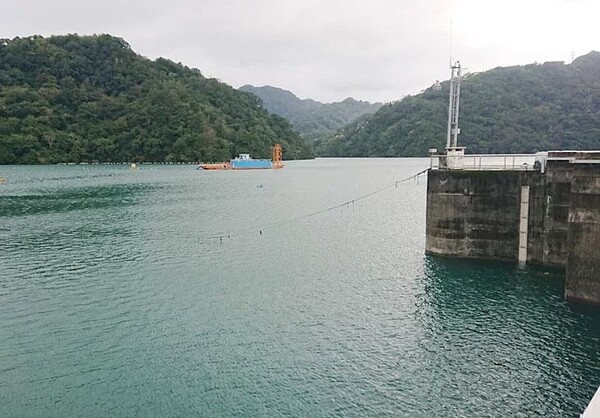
{"x":259,"y":229}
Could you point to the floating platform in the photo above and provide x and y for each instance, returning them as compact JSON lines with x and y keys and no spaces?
{"x":245,"y":162}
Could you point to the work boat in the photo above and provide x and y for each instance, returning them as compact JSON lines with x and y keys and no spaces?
{"x":245,"y":162}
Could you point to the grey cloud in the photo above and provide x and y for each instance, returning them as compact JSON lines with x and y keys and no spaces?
{"x":378,"y":50}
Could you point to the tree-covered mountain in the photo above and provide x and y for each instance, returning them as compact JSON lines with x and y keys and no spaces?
{"x":311,"y":118}
{"x":91,"y":98}
{"x":505,"y":110}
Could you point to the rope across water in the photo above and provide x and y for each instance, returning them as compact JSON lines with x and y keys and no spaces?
{"x":259,"y":229}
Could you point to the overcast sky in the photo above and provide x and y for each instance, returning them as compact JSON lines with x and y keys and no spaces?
{"x":376,"y":50}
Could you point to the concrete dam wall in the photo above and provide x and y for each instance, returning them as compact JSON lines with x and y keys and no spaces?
{"x":548,"y":218}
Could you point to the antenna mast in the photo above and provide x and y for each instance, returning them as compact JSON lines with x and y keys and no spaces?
{"x":453,"y":107}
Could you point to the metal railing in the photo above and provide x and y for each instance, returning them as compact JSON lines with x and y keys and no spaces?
{"x":512,"y":162}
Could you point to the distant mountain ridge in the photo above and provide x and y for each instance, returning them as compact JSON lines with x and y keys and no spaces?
{"x":312,"y":119}
{"x":517,"y":109}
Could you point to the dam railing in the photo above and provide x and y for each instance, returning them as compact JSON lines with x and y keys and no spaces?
{"x":509,"y":162}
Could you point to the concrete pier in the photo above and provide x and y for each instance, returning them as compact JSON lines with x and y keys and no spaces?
{"x":583,"y":255}
{"x":545,"y":212}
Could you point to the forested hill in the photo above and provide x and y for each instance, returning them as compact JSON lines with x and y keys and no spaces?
{"x":311,"y":118}
{"x":91,"y":98}
{"x":505,"y":110}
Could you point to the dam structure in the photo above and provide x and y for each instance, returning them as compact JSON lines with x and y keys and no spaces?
{"x":541,"y":208}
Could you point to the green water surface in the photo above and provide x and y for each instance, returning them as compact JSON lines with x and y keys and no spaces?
{"x":168,"y":291}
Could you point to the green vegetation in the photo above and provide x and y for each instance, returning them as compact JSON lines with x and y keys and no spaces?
{"x":91,"y":98}
{"x":312,"y":119}
{"x":506,"y":110}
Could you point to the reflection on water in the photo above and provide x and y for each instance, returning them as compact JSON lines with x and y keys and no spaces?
{"x":96,"y":198}
{"x":510,"y":330}
{"x":112,"y":302}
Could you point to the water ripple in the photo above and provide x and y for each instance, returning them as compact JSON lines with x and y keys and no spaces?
{"x":112,"y":303}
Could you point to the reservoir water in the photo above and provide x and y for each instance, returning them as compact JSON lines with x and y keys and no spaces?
{"x":168,"y":291}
